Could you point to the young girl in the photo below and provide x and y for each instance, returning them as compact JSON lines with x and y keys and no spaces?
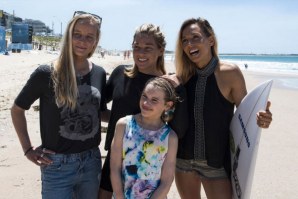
{"x":143,"y":151}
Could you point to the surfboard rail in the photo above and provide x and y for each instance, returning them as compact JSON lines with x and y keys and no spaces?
{"x":244,"y":139}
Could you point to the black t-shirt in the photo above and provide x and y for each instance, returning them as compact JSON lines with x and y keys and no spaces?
{"x":63,"y":130}
{"x":126,"y":93}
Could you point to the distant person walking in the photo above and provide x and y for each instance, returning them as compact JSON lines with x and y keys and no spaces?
{"x":102,"y":53}
{"x":71,"y":94}
{"x":128,"y":54}
{"x":124,"y":54}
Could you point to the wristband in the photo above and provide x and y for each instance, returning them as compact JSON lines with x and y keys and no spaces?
{"x":28,"y":150}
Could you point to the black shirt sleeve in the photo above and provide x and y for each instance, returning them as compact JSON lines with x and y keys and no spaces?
{"x":34,"y":87}
{"x":117,"y":72}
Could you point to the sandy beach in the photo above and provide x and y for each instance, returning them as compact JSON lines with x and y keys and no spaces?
{"x":276,"y":175}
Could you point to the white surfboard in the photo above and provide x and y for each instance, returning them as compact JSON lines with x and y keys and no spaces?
{"x":244,"y":139}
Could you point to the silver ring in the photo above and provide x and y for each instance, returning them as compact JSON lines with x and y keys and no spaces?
{"x":41,"y":155}
{"x":44,"y":150}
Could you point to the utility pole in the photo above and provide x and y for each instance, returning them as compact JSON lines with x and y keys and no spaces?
{"x":53,"y":28}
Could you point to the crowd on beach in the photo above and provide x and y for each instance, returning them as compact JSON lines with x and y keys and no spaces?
{"x":160,"y":126}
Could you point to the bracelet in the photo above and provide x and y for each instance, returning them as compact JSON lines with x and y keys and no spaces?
{"x":28,"y":150}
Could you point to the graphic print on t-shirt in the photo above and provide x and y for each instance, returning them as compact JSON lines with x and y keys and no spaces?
{"x":83,"y":122}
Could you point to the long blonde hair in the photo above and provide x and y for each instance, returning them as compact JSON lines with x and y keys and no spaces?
{"x":159,"y":38}
{"x":185,"y":68}
{"x":63,"y":75}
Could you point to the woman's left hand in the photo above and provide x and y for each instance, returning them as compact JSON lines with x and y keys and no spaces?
{"x":264,"y":118}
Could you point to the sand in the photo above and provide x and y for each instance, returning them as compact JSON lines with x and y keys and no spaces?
{"x":276,"y":175}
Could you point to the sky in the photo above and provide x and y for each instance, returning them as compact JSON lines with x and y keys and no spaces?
{"x":254,"y":26}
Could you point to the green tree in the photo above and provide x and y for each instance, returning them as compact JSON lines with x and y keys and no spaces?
{"x":48,"y":41}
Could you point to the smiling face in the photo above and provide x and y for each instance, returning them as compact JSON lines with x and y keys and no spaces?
{"x":145,"y":52}
{"x":196,"y":45}
{"x":153,"y":103}
{"x":84,"y":38}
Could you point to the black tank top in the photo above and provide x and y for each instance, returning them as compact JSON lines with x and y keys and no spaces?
{"x":218,"y":112}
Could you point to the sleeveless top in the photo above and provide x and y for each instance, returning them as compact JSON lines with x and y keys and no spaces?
{"x":144,"y":152}
{"x":218,"y":113}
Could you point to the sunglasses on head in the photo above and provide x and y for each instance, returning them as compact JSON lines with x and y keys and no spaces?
{"x":76,"y":13}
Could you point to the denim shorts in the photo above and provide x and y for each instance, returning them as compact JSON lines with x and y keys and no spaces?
{"x":201,"y":167}
{"x":72,"y":175}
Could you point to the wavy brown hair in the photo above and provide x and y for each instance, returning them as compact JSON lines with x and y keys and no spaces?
{"x":185,"y":68}
{"x":159,"y":38}
{"x":63,"y":75}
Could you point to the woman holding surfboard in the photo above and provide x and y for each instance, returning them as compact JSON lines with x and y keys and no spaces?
{"x":213,"y":89}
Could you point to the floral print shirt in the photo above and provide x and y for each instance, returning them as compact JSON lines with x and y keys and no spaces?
{"x":144,"y":152}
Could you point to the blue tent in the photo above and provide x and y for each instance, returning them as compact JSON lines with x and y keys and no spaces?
{"x":2,"y":39}
{"x":20,"y":33}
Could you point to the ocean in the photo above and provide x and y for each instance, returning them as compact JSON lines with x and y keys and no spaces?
{"x":287,"y":64}
{"x":279,"y":64}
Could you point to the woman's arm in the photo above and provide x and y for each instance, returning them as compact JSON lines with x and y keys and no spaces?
{"x":264,"y":117}
{"x":116,"y":159}
{"x":20,"y":124}
{"x":237,"y":84}
{"x":168,"y":169}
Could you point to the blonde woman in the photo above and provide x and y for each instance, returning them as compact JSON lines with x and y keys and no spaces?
{"x":214,"y":88}
{"x":71,"y":95}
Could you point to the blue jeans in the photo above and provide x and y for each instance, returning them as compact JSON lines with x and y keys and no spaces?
{"x":72,"y":176}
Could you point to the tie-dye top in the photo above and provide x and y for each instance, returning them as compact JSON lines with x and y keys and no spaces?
{"x":144,"y":152}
